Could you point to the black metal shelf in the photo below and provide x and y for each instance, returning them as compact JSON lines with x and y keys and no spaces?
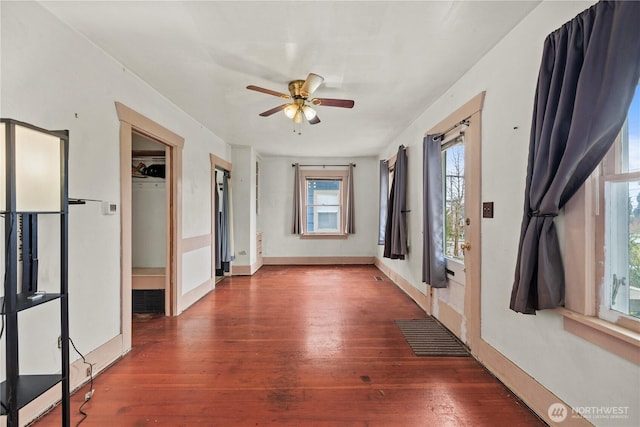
{"x":29,"y":388}
{"x":18,"y":390}
{"x":23,"y":302}
{"x":31,"y":212}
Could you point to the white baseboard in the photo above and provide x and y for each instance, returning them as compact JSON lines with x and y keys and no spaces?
{"x":195,"y":294}
{"x":318,"y":260}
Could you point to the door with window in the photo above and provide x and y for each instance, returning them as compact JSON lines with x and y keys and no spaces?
{"x":457,"y":305}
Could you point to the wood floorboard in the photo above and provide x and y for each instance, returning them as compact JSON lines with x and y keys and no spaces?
{"x":293,"y":346}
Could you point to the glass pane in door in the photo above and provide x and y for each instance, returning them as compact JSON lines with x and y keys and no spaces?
{"x":453,"y":170}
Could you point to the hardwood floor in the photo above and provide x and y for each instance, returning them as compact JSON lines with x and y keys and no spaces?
{"x":294,"y":346}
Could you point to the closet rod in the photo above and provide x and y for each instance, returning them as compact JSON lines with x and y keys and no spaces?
{"x":293,"y":165}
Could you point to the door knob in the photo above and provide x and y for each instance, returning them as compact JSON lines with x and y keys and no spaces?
{"x":465,"y":246}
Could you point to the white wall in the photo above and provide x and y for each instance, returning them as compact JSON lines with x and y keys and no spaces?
{"x":56,"y":79}
{"x":276,"y":200}
{"x":243,"y":181}
{"x":577,"y":371}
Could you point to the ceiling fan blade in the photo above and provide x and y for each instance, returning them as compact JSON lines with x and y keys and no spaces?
{"x":273,"y":110}
{"x":314,"y":121}
{"x":331,"y":102}
{"x":268,"y":91}
{"x":311,"y":84}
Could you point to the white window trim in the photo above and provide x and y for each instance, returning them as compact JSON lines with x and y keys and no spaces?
{"x":341,"y":175}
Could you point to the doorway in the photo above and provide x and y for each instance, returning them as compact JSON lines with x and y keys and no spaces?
{"x":132,"y":122}
{"x":221,"y":218}
{"x":458,"y":305}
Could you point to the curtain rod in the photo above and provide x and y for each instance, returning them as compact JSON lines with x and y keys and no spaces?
{"x":461,"y":123}
{"x":293,"y":165}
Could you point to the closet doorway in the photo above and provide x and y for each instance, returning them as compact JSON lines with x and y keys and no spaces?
{"x":133,"y":123}
{"x":149,"y":228}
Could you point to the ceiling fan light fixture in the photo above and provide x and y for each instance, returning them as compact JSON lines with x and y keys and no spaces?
{"x":290,"y":110}
{"x":309,"y":112}
{"x":300,"y":91}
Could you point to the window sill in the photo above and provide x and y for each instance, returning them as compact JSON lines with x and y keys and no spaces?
{"x":324,"y":236}
{"x":616,"y":339}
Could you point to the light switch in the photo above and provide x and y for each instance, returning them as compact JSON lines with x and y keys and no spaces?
{"x":487,"y":210}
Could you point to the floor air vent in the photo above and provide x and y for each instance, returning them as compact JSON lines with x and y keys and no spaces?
{"x":378,"y":278}
{"x":148,"y":301}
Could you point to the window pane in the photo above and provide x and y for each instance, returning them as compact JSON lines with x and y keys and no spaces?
{"x":327,"y":197}
{"x":453,"y":170}
{"x":622,"y":271}
{"x":328,"y":221}
{"x":323,"y":219}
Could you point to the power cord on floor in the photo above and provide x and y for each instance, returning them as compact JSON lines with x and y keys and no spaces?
{"x":89,"y":394}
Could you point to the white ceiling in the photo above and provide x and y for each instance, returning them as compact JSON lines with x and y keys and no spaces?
{"x":393,"y":58}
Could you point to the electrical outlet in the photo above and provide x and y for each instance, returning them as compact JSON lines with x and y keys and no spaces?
{"x":88,"y":372}
{"x":59,"y":342}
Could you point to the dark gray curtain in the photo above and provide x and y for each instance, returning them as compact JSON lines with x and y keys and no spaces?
{"x":590,"y":67}
{"x":384,"y":198}
{"x":296,"y":220}
{"x":434,"y":265}
{"x":226,"y":232}
{"x":350,"y":222}
{"x":395,"y":239}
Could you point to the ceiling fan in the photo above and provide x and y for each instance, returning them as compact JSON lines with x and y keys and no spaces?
{"x":300,"y":91}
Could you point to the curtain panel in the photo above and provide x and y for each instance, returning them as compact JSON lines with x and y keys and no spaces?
{"x":217,"y":223}
{"x":590,"y":67}
{"x":384,"y":198}
{"x":226,"y":229}
{"x":395,"y":240}
{"x":296,"y":221}
{"x":434,"y":267}
{"x":350,"y":216}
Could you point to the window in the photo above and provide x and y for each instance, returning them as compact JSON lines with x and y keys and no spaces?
{"x":602,"y":248}
{"x":324,"y":202}
{"x":387,"y":169}
{"x":620,"y":190}
{"x":323,"y":205}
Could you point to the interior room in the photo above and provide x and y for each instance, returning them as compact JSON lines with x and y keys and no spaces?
{"x":419,"y":157}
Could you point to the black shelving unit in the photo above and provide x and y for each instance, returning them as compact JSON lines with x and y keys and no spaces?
{"x":18,"y":389}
